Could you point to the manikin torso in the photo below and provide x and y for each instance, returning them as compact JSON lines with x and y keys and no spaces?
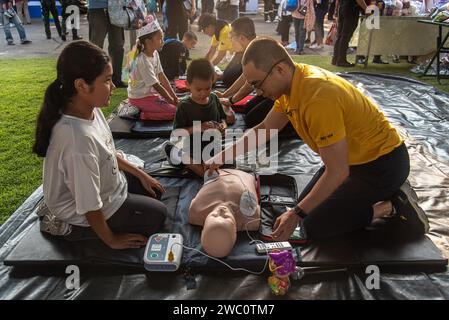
{"x":225,"y":190}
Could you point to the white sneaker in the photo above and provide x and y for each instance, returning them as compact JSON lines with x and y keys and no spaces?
{"x":316,"y":46}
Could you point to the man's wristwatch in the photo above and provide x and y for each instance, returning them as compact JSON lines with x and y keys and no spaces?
{"x":299,"y":212}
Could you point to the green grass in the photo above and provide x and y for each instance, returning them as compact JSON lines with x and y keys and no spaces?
{"x":23,"y":84}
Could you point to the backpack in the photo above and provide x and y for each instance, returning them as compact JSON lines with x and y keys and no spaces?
{"x":127,"y":14}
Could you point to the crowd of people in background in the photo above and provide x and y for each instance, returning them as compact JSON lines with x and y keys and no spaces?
{"x":307,"y":19}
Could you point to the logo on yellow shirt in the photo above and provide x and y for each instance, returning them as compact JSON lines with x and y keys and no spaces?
{"x":326,"y":137}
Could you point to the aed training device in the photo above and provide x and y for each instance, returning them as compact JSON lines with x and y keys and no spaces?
{"x":163,"y":252}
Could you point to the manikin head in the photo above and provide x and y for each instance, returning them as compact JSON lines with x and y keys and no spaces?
{"x":219,"y":232}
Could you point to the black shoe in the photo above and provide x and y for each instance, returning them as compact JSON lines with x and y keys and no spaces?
{"x":77,"y":38}
{"x":48,"y":37}
{"x":334,"y":61}
{"x":361,"y":60}
{"x":414,"y":60}
{"x":120,"y":84}
{"x":345,"y":64}
{"x":63,"y":37}
{"x":379,"y":61}
{"x":172,"y":153}
{"x":406,"y":204}
{"x":25,"y":41}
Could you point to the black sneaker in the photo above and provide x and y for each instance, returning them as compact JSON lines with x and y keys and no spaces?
{"x":360,"y":60}
{"x":172,"y":153}
{"x":345,"y":64}
{"x":406,"y":204}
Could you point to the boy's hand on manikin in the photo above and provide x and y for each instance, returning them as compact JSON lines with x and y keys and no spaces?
{"x":206,"y":125}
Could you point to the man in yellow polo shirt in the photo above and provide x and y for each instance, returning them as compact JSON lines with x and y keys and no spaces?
{"x":365,"y":161}
{"x":219,"y":31}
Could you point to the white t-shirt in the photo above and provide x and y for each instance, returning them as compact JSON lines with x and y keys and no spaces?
{"x":81,"y":172}
{"x":144,"y":75}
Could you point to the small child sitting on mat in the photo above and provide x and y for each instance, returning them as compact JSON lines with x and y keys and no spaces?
{"x":148,"y":87}
{"x":174,"y":54}
{"x":202,"y":105}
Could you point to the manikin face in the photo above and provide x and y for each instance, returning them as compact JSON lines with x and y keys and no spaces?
{"x":219,"y":232}
{"x":223,"y":215}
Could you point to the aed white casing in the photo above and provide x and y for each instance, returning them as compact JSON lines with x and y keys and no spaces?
{"x":158,"y":247}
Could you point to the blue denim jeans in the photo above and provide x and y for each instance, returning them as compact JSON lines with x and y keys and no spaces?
{"x":17,"y":23}
{"x":300,"y":33}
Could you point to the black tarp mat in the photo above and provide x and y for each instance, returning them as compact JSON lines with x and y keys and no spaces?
{"x":390,"y":244}
{"x":136,"y":129}
{"x":39,"y":249}
{"x":418,"y":110}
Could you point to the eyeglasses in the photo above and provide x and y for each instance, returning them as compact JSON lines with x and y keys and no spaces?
{"x":257,"y":84}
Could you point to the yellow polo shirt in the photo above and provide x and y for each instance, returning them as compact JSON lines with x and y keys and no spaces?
{"x":225,"y":43}
{"x":325,"y":108}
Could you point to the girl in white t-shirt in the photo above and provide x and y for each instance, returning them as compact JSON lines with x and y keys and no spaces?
{"x":86,"y":183}
{"x":148,"y":87}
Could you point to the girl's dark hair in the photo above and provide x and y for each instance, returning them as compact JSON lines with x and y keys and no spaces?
{"x":78,"y":60}
{"x":141,"y":40}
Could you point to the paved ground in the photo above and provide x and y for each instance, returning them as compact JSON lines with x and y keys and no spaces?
{"x":42,"y":47}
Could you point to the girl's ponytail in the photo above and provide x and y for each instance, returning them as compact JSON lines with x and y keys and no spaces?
{"x":50,"y":113}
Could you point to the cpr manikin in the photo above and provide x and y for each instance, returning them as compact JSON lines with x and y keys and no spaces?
{"x":226,"y":203}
